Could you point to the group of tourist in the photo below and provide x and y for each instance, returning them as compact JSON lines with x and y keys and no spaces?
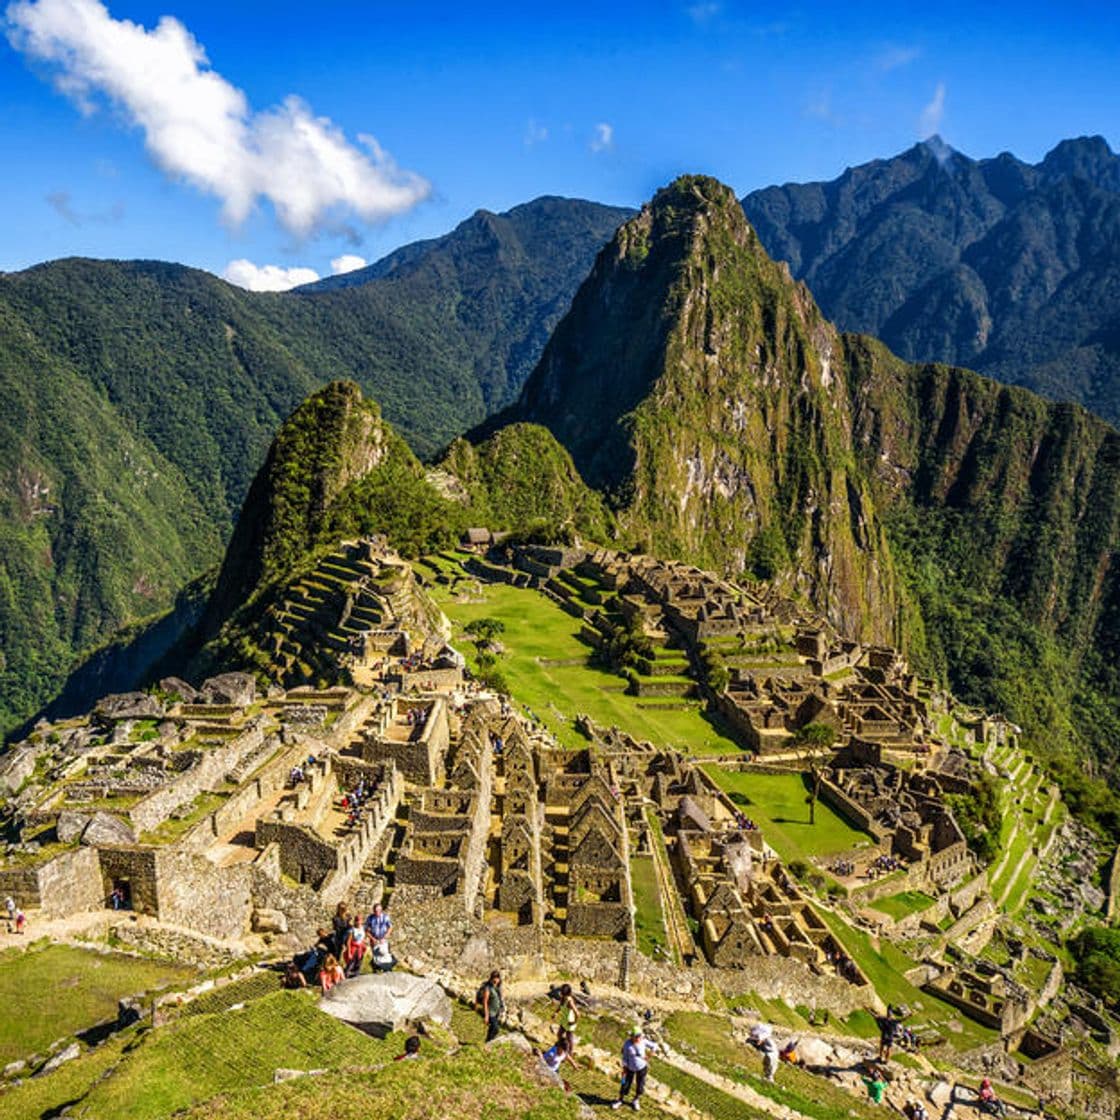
{"x":743,"y":822}
{"x":353,"y":801}
{"x":496,"y":744}
{"x":843,"y":867}
{"x":338,"y":953}
{"x":17,"y":919}
{"x":884,"y":865}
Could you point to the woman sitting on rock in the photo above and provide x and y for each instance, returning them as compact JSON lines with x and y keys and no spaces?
{"x":331,"y":973}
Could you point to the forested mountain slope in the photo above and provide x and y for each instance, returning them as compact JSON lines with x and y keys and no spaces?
{"x":144,"y":395}
{"x":1006,"y":267}
{"x":730,"y":424}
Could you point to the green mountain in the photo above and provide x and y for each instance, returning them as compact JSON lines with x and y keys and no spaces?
{"x":338,"y":471}
{"x":1006,"y":267}
{"x":699,"y":386}
{"x":143,"y":396}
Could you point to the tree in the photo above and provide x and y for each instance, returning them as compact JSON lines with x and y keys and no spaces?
{"x":485,"y":630}
{"x":812,"y":743}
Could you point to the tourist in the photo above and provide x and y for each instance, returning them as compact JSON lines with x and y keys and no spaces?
{"x":21,"y":921}
{"x":378,"y":926}
{"x":568,"y":1015}
{"x":762,"y":1039}
{"x":293,"y":977}
{"x":411,"y":1049}
{"x":989,"y":1102}
{"x":331,"y":973}
{"x":554,"y":1057}
{"x":876,"y":1084}
{"x":340,"y":924}
{"x":355,"y":949}
{"x":10,"y":907}
{"x":490,"y":1005}
{"x":889,"y":1029}
{"x":635,"y":1066}
{"x":915,"y":1110}
{"x":788,"y":1053}
{"x":381,"y":960}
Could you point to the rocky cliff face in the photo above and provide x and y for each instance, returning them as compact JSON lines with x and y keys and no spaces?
{"x":701,"y":388}
{"x":332,"y":440}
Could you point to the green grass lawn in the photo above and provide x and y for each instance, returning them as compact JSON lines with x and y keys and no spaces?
{"x":200,"y":1056}
{"x":904,"y":904}
{"x":547,"y":669}
{"x":649,"y":924}
{"x":51,"y":992}
{"x":498,"y":1084}
{"x":776,"y":802}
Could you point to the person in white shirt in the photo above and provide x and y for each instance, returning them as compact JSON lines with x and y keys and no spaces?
{"x":635,"y":1066}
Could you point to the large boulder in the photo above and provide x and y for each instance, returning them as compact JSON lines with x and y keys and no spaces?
{"x":176,"y":687}
{"x":237,"y":689}
{"x":387,"y":1001}
{"x":105,"y":829}
{"x":128,"y":705}
{"x":70,"y":825}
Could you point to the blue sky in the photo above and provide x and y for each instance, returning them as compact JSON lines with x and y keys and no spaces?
{"x":121,"y":141}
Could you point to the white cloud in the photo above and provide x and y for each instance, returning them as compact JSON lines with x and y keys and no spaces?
{"x":703,"y":12}
{"x":267,"y":277}
{"x":932,"y":114}
{"x":819,"y":107}
{"x":200,"y":128}
{"x":893,"y":57}
{"x":603,"y":138}
{"x":348,"y":262}
{"x":535,"y":133}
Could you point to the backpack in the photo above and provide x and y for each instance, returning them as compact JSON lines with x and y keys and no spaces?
{"x":479,"y":996}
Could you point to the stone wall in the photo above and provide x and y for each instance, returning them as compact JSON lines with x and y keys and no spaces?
{"x":22,"y":883}
{"x":137,"y":867}
{"x":211,"y":771}
{"x":303,"y":907}
{"x":235,"y":808}
{"x":833,"y":796}
{"x":195,"y":893}
{"x":177,"y":945}
{"x":71,"y":882}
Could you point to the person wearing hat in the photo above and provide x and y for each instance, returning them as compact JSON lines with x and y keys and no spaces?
{"x":635,"y":1066}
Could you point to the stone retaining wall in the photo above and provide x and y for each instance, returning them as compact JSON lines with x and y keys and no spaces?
{"x":216,"y":763}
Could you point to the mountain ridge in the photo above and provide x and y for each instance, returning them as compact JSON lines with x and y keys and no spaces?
{"x":995,"y":264}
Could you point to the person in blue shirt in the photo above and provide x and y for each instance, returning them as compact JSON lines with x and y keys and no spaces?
{"x":635,"y":1066}
{"x":378,"y":927}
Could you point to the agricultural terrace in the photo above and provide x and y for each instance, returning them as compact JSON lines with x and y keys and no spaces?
{"x":550,"y":671}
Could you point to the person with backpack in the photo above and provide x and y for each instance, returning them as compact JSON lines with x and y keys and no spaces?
{"x":567,"y":1015}
{"x":762,"y":1039}
{"x":635,"y":1067}
{"x":489,"y":1004}
{"x":889,"y":1029}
